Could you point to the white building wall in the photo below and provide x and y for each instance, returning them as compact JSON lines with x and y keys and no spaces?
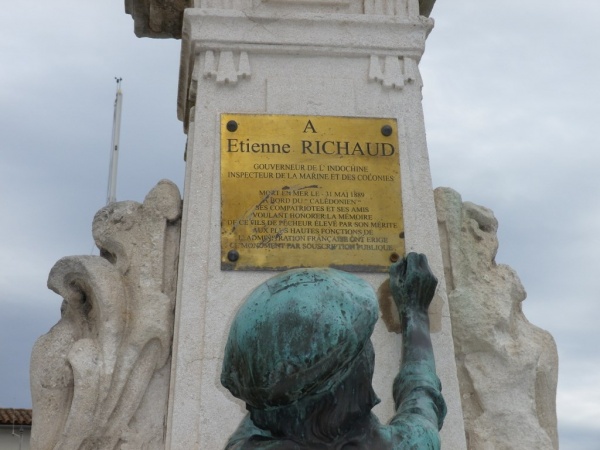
{"x":14,"y":438}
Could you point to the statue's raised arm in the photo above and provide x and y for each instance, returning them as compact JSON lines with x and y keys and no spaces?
{"x":417,"y":389}
{"x":299,"y":354}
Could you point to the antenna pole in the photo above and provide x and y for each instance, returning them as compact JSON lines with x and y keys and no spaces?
{"x":111,"y":194}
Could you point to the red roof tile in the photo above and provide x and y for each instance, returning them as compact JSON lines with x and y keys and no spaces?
{"x":8,"y":416}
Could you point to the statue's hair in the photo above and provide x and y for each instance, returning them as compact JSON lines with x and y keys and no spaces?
{"x":323,"y":417}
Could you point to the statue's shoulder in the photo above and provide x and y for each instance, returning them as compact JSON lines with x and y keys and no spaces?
{"x":257,"y":442}
{"x":367,"y":434}
{"x":249,"y":437}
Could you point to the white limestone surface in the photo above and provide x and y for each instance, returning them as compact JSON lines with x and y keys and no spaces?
{"x":507,"y":367}
{"x":298,"y":60}
{"x":100,"y":376}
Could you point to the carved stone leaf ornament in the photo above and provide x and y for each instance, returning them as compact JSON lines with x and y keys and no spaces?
{"x":90,"y":374}
{"x":396,"y":71}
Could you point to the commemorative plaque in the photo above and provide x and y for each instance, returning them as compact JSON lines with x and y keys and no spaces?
{"x":310,"y":191}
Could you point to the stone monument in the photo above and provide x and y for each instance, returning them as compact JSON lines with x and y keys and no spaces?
{"x":262,"y":78}
{"x":306,"y":149}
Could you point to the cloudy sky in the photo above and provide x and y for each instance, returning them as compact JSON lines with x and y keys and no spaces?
{"x":513,"y":116}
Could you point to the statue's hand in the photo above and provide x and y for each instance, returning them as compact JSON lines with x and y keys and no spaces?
{"x":412,"y":283}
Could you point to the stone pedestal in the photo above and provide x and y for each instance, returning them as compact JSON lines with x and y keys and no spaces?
{"x":309,"y":57}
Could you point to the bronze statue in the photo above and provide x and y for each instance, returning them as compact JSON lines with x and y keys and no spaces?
{"x":299,"y":354}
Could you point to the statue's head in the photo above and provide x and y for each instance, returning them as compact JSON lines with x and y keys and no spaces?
{"x":299,"y":349}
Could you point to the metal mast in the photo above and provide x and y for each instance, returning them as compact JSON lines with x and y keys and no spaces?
{"x":111,"y":192}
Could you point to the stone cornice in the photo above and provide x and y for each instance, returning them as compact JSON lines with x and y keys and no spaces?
{"x":157,"y":18}
{"x":356,"y":34}
{"x":164,"y":18}
{"x":305,"y":33}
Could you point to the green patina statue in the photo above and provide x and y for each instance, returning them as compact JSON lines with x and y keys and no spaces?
{"x":299,"y":354}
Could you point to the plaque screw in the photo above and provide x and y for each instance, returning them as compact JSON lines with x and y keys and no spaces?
{"x":394,"y":257}
{"x":386,"y":130}
{"x":232,"y":126}
{"x":233,"y":255}
{"x":401,"y":235}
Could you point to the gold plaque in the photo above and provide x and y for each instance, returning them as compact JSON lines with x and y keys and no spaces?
{"x":310,"y":191}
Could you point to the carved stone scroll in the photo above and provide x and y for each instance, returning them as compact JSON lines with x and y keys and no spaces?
{"x":507,"y":367}
{"x":91,"y":372}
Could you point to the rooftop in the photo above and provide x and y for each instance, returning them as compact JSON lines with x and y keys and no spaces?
{"x":10,"y":416}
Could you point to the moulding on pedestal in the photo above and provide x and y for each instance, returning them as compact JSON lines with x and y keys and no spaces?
{"x":396,"y":42}
{"x":164,"y":18}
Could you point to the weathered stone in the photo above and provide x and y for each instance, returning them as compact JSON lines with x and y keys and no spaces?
{"x":425,"y":7}
{"x":157,"y":18}
{"x":100,"y":376}
{"x":298,"y":57}
{"x":164,"y":18}
{"x":507,"y":367}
